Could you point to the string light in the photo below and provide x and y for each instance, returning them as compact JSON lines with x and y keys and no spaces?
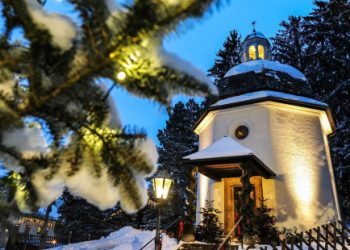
{"x":121,"y":76}
{"x":37,"y":222}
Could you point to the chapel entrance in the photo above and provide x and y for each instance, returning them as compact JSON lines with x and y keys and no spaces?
{"x":233,"y":187}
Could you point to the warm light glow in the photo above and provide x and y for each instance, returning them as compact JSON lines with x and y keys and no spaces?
{"x":252,"y":52}
{"x":54,"y":242}
{"x":94,"y":140}
{"x":261,"y":52}
{"x":326,"y":126}
{"x":161,"y":187}
{"x":202,"y":193}
{"x":121,"y":76}
{"x":303,"y":179}
{"x":167,"y":183}
{"x":299,"y":157}
{"x":208,"y":119}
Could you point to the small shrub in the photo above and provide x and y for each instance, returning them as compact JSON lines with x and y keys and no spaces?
{"x":264,"y":224}
{"x":210,"y":229}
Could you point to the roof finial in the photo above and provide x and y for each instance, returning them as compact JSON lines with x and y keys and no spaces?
{"x":254,"y":24}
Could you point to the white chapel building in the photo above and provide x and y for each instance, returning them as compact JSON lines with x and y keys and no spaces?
{"x":267,"y":119}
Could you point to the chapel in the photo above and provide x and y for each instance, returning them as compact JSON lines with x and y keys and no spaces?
{"x":266,"y":120}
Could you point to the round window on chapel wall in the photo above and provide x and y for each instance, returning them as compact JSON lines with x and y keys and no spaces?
{"x":241,"y":132}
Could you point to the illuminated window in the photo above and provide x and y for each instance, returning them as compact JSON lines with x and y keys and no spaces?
{"x":261,"y":52}
{"x":252,"y":52}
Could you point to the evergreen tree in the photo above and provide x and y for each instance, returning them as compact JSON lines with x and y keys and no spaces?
{"x":228,"y":56}
{"x":210,"y":229}
{"x":84,"y":219}
{"x":50,"y":91}
{"x":176,"y":141}
{"x":288,"y":44}
{"x":265,"y":224}
{"x":326,"y":35}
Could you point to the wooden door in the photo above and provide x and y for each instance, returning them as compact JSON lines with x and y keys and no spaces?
{"x":232,"y":188}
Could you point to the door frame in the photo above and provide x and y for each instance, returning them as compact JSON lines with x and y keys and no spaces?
{"x":229,"y":184}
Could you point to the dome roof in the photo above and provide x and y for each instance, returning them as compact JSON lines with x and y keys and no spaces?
{"x":255,"y":34}
{"x":263,"y":75}
{"x":261,"y":65}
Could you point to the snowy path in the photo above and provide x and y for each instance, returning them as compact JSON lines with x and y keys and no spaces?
{"x":127,"y":238}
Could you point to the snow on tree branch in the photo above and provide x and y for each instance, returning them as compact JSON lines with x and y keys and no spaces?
{"x":60,"y":27}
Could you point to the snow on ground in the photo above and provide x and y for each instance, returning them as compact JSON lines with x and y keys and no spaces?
{"x":126,"y":238}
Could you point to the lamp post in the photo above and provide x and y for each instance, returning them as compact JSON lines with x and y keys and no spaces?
{"x":161,"y":185}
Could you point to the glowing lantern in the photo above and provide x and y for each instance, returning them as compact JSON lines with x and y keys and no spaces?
{"x":161,"y":185}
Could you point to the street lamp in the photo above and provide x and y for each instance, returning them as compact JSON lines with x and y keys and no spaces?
{"x":161,"y":185}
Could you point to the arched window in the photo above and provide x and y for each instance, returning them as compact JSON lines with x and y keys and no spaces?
{"x":261,"y":52}
{"x":252,"y":52}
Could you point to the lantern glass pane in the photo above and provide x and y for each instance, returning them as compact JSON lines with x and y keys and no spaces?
{"x":158,"y":187}
{"x":167,"y":183}
{"x":261,"y":51}
{"x":252,"y":52}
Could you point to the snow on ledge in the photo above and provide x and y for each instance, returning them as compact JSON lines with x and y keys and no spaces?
{"x":258,"y":66}
{"x":224,"y":147}
{"x":268,"y":93}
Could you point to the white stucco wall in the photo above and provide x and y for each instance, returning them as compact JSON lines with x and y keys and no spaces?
{"x":292,"y":142}
{"x":304,"y":191}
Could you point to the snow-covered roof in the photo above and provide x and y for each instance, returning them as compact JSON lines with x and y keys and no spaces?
{"x":224,"y":147}
{"x":259,"y":65}
{"x":267,"y":93}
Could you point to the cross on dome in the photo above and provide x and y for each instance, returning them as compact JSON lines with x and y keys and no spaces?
{"x":253,"y":24}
